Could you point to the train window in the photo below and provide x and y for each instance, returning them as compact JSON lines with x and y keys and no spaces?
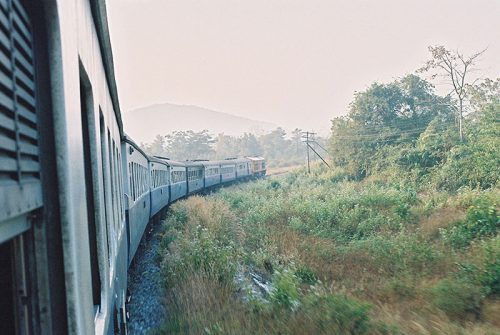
{"x":136,"y":180}
{"x":116,"y":194}
{"x":120,"y":186}
{"x":132,"y":181}
{"x":88,"y":134}
{"x":14,"y":287}
{"x":7,"y":291}
{"x":104,"y":164}
{"x":113,"y":180}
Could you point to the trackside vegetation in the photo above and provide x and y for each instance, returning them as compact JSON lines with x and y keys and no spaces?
{"x":401,"y":236}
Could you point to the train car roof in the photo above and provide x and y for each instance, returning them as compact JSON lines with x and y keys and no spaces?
{"x":220,"y":162}
{"x":157,"y":160}
{"x":99,"y":14}
{"x":169,"y":162}
{"x":130,"y":141}
{"x":194,"y":163}
{"x":240,"y":160}
{"x":255,"y":158}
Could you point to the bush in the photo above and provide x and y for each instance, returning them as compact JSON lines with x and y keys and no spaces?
{"x":306,"y":275}
{"x":482,"y":220}
{"x":285,"y":291}
{"x":458,"y":299}
{"x":490,"y":276}
{"x":338,"y":314}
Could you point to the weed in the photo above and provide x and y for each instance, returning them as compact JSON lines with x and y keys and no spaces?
{"x":459,"y":300}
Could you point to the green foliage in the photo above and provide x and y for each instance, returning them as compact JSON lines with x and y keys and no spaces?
{"x":486,"y":273}
{"x":404,"y":253}
{"x":490,"y":276}
{"x":202,"y":253}
{"x":458,"y":299}
{"x":306,"y":275}
{"x":182,"y":145}
{"x":339,"y":315}
{"x":278,"y":147}
{"x":384,"y":116}
{"x":285,"y":292}
{"x":482,"y":220}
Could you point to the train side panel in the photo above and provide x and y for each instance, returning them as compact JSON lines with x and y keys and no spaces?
{"x":160,"y":184}
{"x":195,"y":177}
{"x":87,"y":145}
{"x":212,"y":174}
{"x":137,"y":189}
{"x":228,"y":172}
{"x":242,"y":168}
{"x":178,"y":183}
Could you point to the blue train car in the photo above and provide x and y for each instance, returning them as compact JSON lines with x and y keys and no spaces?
{"x":242,"y":168}
{"x":137,"y":188}
{"x":212,"y":173}
{"x":228,"y":171}
{"x":178,"y":182}
{"x":160,"y":184}
{"x":195,"y":176}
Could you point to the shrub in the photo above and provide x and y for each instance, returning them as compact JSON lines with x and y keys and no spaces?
{"x":338,"y":314}
{"x":458,"y":299}
{"x":285,"y":291}
{"x":482,"y":220}
{"x":490,"y":276}
{"x":306,"y":275}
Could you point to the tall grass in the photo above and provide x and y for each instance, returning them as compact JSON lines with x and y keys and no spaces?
{"x":333,"y":256}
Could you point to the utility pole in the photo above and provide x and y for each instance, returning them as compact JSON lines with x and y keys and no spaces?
{"x":307,"y":143}
{"x":308,"y":138}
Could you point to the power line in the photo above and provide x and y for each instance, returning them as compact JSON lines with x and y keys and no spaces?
{"x":309,"y":138}
{"x":388,"y":134}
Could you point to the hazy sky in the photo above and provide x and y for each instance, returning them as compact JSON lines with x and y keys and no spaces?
{"x":294,"y":63}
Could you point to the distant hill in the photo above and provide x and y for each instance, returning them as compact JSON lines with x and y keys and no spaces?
{"x":145,"y":123}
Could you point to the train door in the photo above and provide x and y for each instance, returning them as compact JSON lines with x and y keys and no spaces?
{"x":91,"y":181}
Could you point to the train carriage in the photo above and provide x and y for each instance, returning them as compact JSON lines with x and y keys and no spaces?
{"x":160,"y":184}
{"x":63,"y":247}
{"x":195,"y":176}
{"x":75,"y":193}
{"x":178,"y":182}
{"x":228,"y":171}
{"x":212,"y":173}
{"x":242,"y":168}
{"x":137,"y":192}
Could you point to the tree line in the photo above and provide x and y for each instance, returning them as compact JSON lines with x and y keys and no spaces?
{"x":404,"y":128}
{"x":279,"y":148}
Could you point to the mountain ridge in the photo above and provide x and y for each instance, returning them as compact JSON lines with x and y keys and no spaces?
{"x":144,"y":123}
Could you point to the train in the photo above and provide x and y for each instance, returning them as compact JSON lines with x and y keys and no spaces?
{"x":76,"y":193}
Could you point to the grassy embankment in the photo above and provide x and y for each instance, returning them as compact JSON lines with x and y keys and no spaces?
{"x":341,"y":257}
{"x":401,"y":237}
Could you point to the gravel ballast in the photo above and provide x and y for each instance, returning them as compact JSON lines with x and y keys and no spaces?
{"x":146,"y":308}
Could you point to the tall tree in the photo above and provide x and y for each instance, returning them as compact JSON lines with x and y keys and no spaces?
{"x":456,"y":68}
{"x":157,"y":147}
{"x":384,"y":115}
{"x":188,"y":144}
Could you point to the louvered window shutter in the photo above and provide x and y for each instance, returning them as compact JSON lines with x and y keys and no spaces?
{"x":20,"y":186}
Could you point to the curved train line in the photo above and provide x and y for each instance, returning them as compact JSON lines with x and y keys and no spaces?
{"x":75,"y":192}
